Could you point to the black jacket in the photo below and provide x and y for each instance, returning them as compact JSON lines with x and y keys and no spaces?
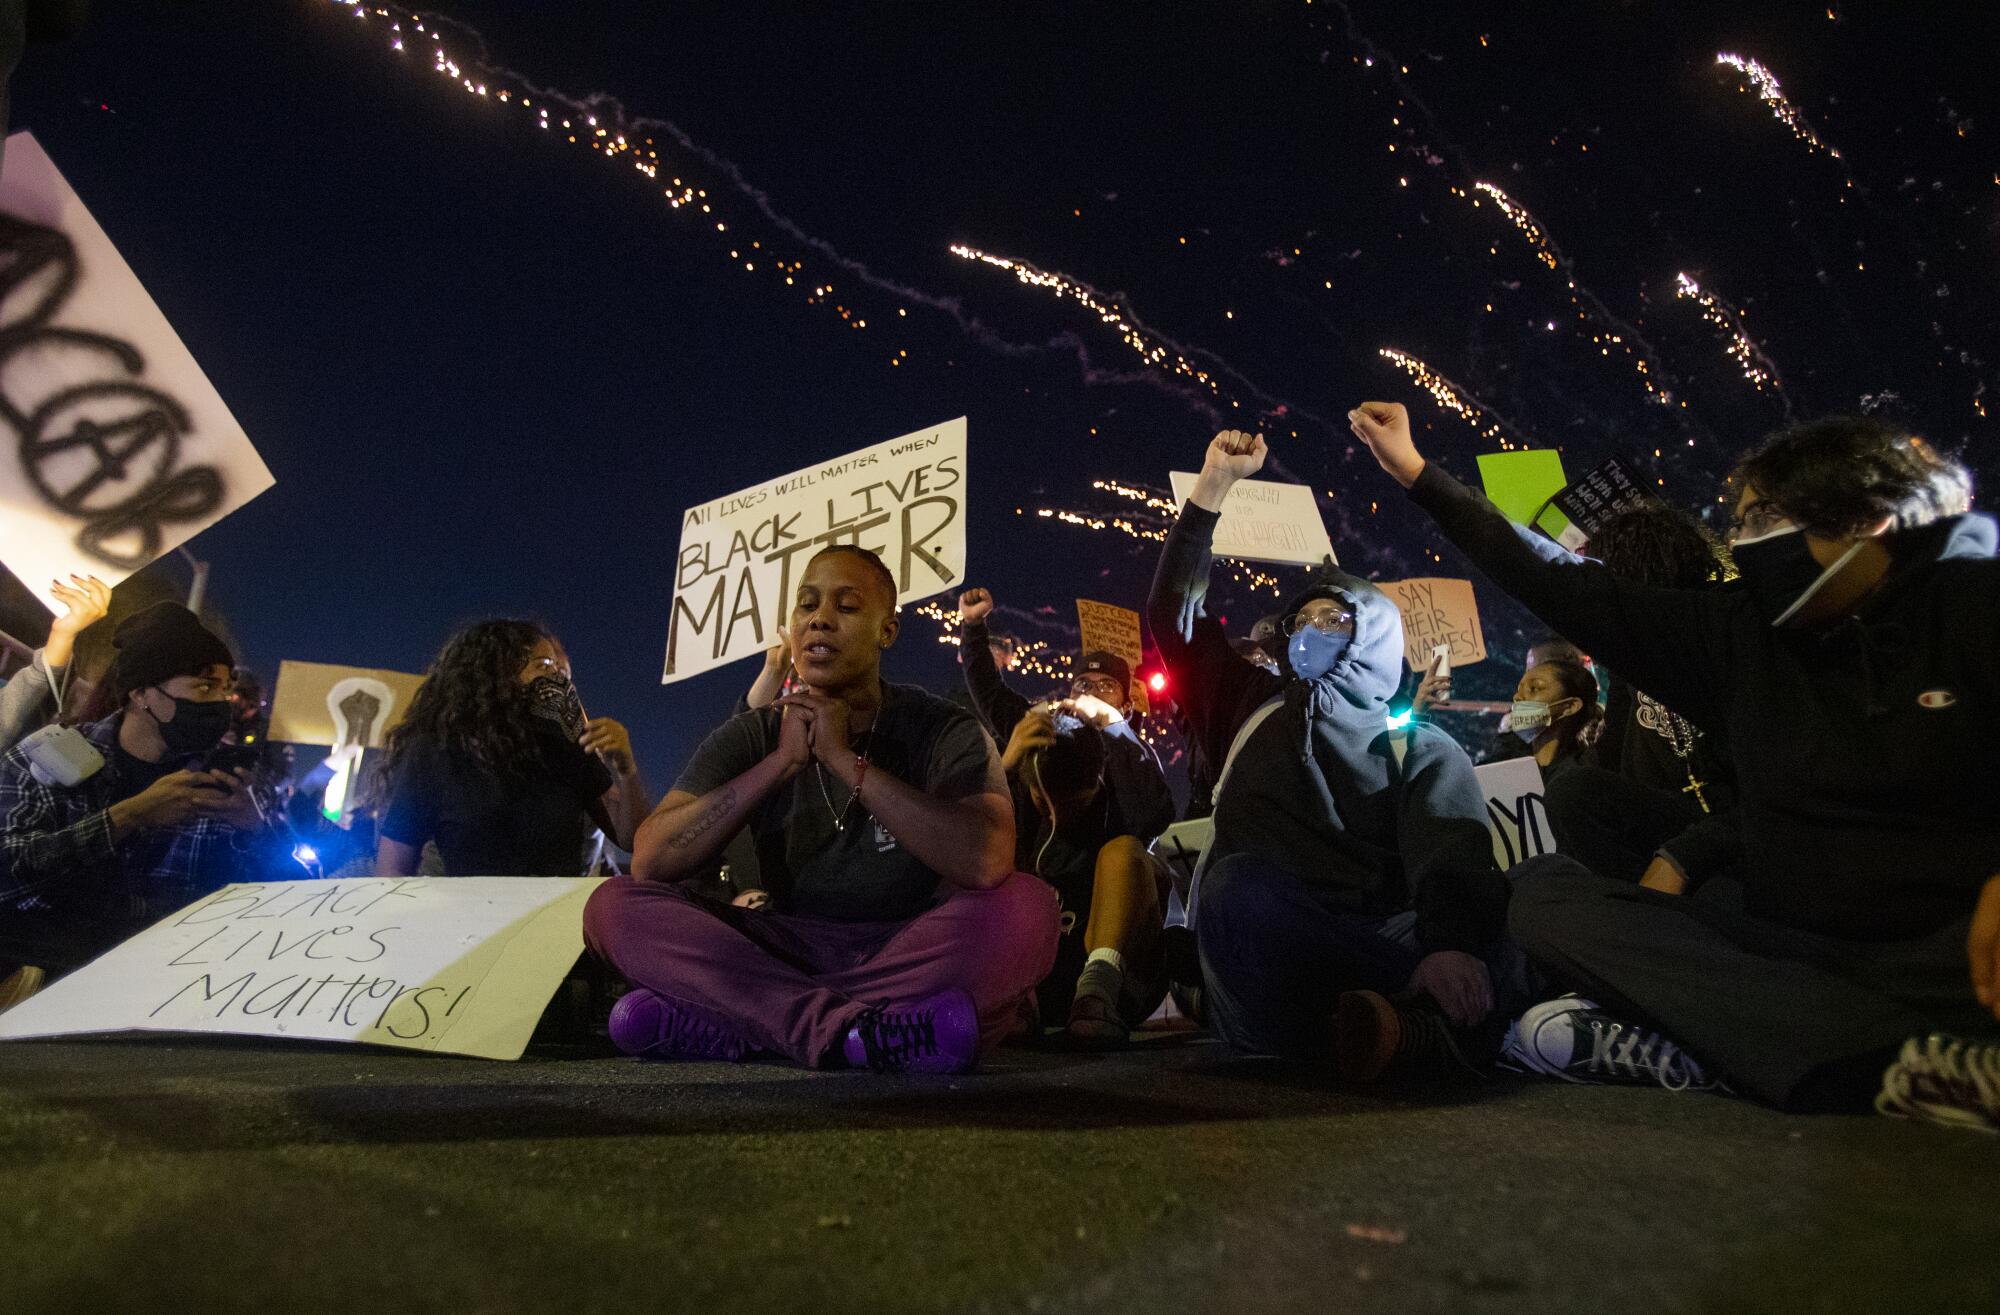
{"x":1376,"y":837}
{"x":1864,"y":750}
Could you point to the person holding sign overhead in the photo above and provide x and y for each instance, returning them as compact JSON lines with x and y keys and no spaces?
{"x":895,"y":933}
{"x":1853,"y":673}
{"x":1088,"y":796}
{"x":1348,"y":906}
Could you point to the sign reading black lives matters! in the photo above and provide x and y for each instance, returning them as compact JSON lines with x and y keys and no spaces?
{"x":741,"y":556}
{"x":461,"y":966}
{"x":114,"y":447}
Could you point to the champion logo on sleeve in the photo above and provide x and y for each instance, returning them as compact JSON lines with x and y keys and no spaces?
{"x":1935,"y":699}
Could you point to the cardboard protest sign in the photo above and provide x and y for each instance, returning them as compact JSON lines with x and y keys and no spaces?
{"x":1265,"y":521}
{"x":1605,"y":492}
{"x":322,"y":703}
{"x":1115,"y":630}
{"x":1515,"y":811}
{"x":117,"y":447}
{"x":462,"y":965}
{"x":1438,"y":612}
{"x":1520,"y":484}
{"x":741,"y":556}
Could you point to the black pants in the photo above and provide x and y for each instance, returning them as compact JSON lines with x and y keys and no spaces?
{"x":1276,"y":953}
{"x":1612,"y":824}
{"x":1801,"y":1020}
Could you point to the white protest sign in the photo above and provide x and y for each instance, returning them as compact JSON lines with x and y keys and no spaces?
{"x":741,"y":556}
{"x":117,"y":447}
{"x":460,"y":965}
{"x":1515,"y":811}
{"x":1265,"y":521}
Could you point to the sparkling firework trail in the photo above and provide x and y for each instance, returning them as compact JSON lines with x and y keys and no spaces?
{"x":1757,"y":366}
{"x":1484,"y":420}
{"x":1782,"y":109}
{"x":602,"y":123}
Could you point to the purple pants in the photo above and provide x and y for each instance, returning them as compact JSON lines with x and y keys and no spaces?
{"x":794,"y":984}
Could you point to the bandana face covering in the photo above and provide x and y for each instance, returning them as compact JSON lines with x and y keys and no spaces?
{"x":555,"y":699}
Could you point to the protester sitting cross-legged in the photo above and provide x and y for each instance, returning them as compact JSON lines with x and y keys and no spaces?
{"x":1853,"y":676}
{"x":895,"y":933}
{"x":1652,"y":773}
{"x":498,"y":764}
{"x":1350,"y":893}
{"x":1088,"y":796}
{"x":29,"y":698}
{"x":149,"y":829}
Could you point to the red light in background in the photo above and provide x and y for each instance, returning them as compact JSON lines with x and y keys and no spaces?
{"x":1157,"y":682}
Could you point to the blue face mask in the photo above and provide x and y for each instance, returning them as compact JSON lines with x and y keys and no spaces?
{"x":1314,"y":651}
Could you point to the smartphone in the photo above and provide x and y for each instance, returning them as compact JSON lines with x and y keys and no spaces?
{"x":232,"y":758}
{"x":1441,"y":660}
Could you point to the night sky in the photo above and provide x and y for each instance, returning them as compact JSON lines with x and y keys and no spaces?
{"x":488,"y":368}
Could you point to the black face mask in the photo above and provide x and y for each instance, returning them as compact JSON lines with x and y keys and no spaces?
{"x":1781,"y":572}
{"x":555,"y":699}
{"x":197,"y":727}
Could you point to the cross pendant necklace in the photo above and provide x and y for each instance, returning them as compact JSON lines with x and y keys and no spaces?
{"x":819,"y":774}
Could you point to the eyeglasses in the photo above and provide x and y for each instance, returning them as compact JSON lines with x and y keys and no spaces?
{"x":1758,"y":520}
{"x":1104,"y":687}
{"x":1324,"y":619}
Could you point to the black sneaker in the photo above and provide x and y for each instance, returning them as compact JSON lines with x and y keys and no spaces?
{"x":1945,"y":1080}
{"x":1376,"y":1038}
{"x":1572,"y":1039}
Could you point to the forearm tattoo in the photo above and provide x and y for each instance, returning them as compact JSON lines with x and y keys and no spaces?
{"x":709,"y":812}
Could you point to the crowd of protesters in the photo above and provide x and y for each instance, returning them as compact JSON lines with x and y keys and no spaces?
{"x":1766,"y":763}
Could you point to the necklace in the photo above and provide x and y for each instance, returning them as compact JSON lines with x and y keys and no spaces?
{"x":1682,"y":737}
{"x":819,"y":774}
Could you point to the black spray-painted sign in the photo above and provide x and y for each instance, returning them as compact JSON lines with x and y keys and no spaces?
{"x":741,"y":556}
{"x":114,"y":446}
{"x":464,"y":965}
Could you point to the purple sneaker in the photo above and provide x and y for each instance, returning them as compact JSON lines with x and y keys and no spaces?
{"x":645,"y":1025}
{"x":939,"y":1034}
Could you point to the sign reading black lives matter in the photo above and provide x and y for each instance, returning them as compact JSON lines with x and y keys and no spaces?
{"x":741,"y":556}
{"x":114,"y":446}
{"x":462,"y":966}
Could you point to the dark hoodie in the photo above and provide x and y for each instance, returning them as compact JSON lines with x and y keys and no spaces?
{"x":1317,"y":788}
{"x":1863,"y":749}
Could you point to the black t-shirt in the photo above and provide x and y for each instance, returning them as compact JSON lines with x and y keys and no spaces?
{"x":485,"y":825}
{"x":855,"y":873}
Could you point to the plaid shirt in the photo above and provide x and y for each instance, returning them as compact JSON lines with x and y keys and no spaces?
{"x":53,"y":836}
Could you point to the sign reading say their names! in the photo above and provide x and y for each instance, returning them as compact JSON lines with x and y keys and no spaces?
{"x":1438,"y":612}
{"x":741,"y":556}
{"x":114,"y":446}
{"x":1265,"y":521}
{"x":463,"y":965}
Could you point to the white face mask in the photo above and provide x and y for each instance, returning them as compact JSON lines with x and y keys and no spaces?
{"x":1529,"y":716}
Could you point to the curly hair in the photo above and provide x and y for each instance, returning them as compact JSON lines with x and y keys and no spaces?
{"x":1581,"y":731}
{"x":1844,"y":473}
{"x":1660,"y":546}
{"x":470,"y":703}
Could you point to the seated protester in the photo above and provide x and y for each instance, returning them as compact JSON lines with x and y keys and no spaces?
{"x":1345,"y":869}
{"x":84,"y":866}
{"x":29,"y":699}
{"x":1506,"y":744}
{"x":497,"y":764}
{"x":894,"y":933}
{"x":1853,"y":676}
{"x":1555,"y":714}
{"x":1088,"y":797}
{"x":1652,"y":772}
